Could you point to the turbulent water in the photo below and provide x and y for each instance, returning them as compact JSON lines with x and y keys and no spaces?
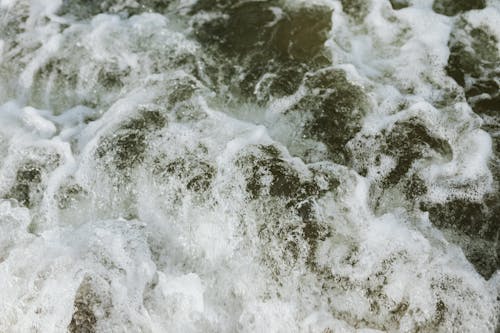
{"x":249,"y":166}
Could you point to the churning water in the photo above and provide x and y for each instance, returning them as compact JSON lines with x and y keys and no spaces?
{"x":249,"y":166}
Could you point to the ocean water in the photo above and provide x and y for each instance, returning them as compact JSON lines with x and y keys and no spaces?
{"x":249,"y":166}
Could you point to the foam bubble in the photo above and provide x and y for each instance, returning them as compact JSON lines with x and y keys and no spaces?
{"x":208,"y":166}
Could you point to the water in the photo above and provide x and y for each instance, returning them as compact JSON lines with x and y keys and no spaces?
{"x":249,"y":166}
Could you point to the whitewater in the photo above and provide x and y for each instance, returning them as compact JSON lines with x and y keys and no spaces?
{"x":249,"y":166}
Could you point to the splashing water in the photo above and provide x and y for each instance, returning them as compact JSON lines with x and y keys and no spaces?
{"x":249,"y":166}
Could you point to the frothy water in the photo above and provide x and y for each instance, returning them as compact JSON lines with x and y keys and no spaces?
{"x":249,"y":166}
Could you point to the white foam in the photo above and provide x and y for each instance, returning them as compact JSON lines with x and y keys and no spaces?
{"x":149,"y":252}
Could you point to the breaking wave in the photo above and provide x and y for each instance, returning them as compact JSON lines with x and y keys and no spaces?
{"x":250,"y":166}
